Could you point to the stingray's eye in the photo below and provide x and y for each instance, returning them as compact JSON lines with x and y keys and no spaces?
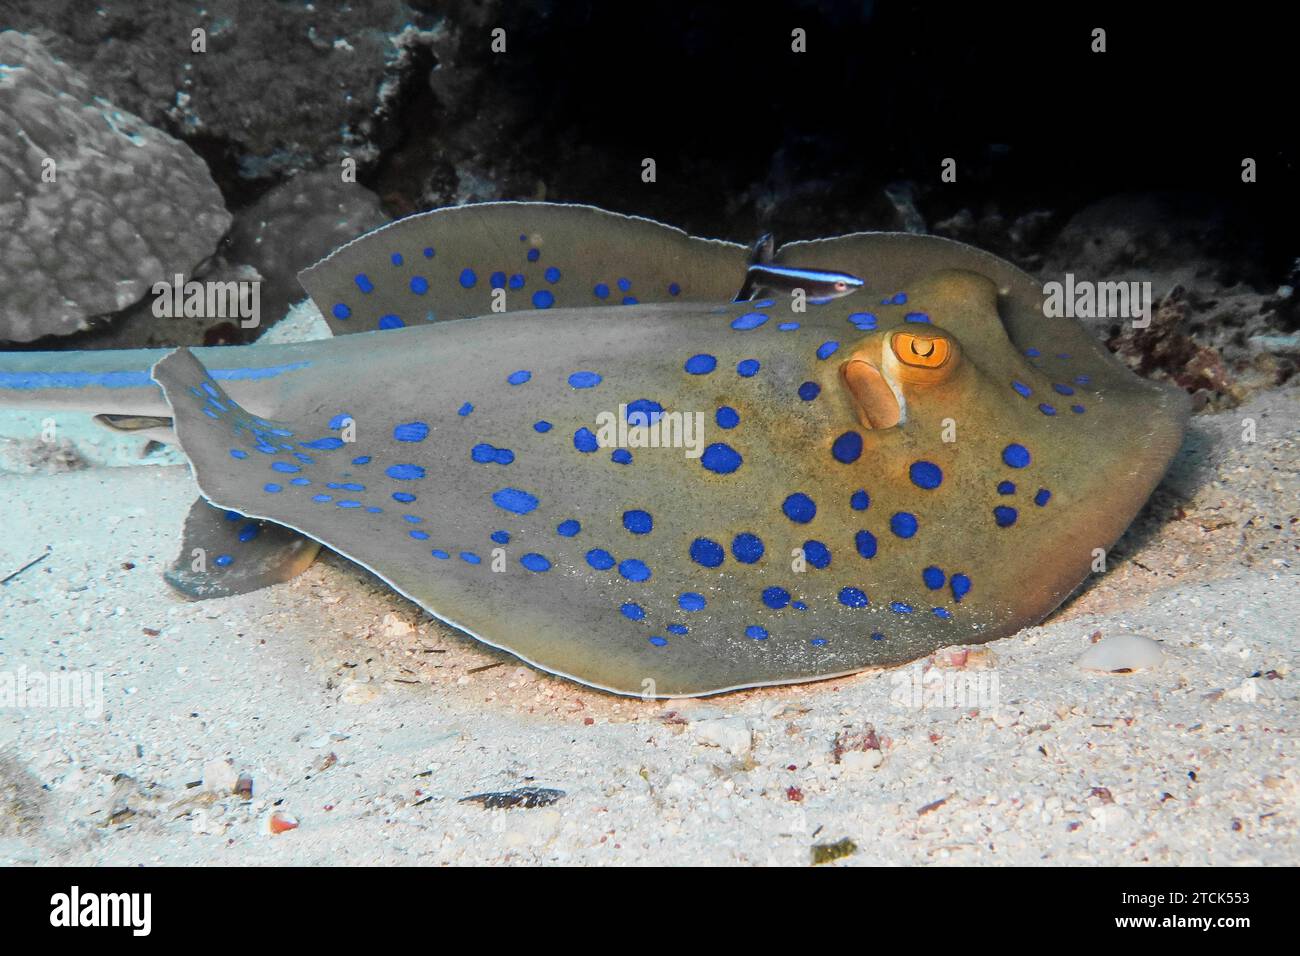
{"x":841,"y":286}
{"x":924,"y":358}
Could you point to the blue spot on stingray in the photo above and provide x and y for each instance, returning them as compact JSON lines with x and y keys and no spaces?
{"x":898,"y":607}
{"x":419,"y":535}
{"x":468,"y":279}
{"x":776,"y":598}
{"x":903,"y":524}
{"x":624,"y":284}
{"x":674,"y":289}
{"x":300,"y":481}
{"x":847,"y":448}
{"x":464,"y":409}
{"x":440,"y":554}
{"x":1015,"y":455}
{"x":916,"y":317}
{"x":363,"y":282}
{"x":1033,"y":353}
{"x":567,"y":529}
{"x":1081,"y":380}
{"x":746,"y":548}
{"x":323,"y":444}
{"x":552,"y":275}
{"x":348,"y":504}
{"x":1006,"y":487}
{"x":238,"y":453}
{"x":721,"y":458}
{"x":497,"y":280}
{"x":750,"y":320}
{"x":864,"y":321}
{"x":321,"y":498}
{"x":584,"y":380}
{"x":933,"y":577}
{"x":517,"y":281}
{"x":756,"y":632}
{"x":925,"y":474}
{"x":633,"y":612}
{"x":707,"y":553}
{"x":600,"y":559}
{"x":1043,"y":497}
{"x":860,"y":500}
{"x":419,"y":285}
{"x":1022,"y":388}
{"x":865,"y":542}
{"x":600,"y":290}
{"x":809,"y":390}
{"x":942,"y":612}
{"x":1077,"y":409}
{"x":621,"y":456}
{"x":411,"y":431}
{"x":787,"y":326}
{"x":285,"y":467}
{"x":412,"y":519}
{"x":658,"y":641}
{"x":799,"y":508}
{"x":677,"y":629}
{"x":1047,"y":409}
{"x":643,"y":412}
{"x":405,"y":497}
{"x":233,"y":516}
{"x":701,"y":364}
{"x":519,"y":377}
{"x":534,"y":255}
{"x":484,"y":454}
{"x":469,"y":557}
{"x":428,"y":252}
{"x":817,"y":554}
{"x":727,"y":417}
{"x":272,"y":487}
{"x":512,"y":499}
{"x":341,"y":311}
{"x":390,"y":321}
{"x":338,"y":421}
{"x":584,"y":439}
{"x":827,"y":349}
{"x":630,"y":300}
{"x":1005,"y":516}
{"x":404,"y":472}
{"x":634,"y":570}
{"x":1062,"y":389}
{"x":747,"y":368}
{"x":542,"y":426}
{"x":361,"y":460}
{"x":960,"y":585}
{"x":853,"y":597}
{"x":690,"y":601}
{"x":248,"y":532}
{"x":395,"y":258}
{"x":222,"y":560}
{"x":500,"y":537}
{"x":535,"y":562}
{"x":542,"y":299}
{"x":638,"y":522}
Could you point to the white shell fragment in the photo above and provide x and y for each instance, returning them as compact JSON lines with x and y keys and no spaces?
{"x":1122,"y":653}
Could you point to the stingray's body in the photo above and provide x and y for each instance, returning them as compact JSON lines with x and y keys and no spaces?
{"x":927,"y":461}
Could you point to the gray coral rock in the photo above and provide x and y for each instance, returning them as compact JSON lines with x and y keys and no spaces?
{"x":97,"y":205}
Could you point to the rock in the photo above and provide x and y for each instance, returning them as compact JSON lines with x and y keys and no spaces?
{"x":862,"y":759}
{"x":220,"y":776}
{"x":97,"y":205}
{"x":1122,"y":654}
{"x":732,"y":734}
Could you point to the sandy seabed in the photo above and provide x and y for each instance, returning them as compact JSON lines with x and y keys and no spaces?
{"x":365,"y":721}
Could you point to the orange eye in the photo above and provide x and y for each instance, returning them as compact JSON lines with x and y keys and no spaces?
{"x":921,"y":351}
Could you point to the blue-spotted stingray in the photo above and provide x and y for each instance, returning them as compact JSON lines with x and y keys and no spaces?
{"x":628,"y":479}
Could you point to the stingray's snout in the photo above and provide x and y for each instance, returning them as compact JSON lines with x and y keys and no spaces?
{"x":873,"y":398}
